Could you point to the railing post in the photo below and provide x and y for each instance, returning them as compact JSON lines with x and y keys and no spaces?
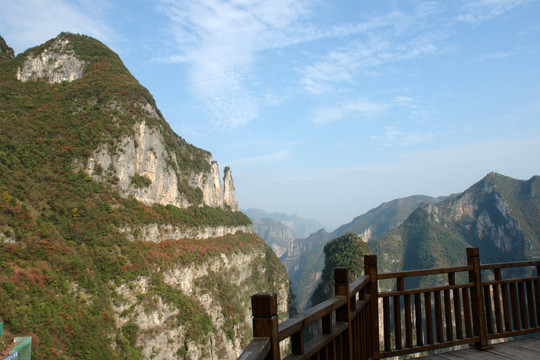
{"x":537,"y":292}
{"x":265,"y":320}
{"x":477,"y":298}
{"x":342,"y":287}
{"x":370,"y":269}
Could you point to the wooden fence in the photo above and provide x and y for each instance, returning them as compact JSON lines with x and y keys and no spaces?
{"x":465,"y":309}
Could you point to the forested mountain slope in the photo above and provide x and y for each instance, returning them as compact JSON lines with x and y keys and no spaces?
{"x":118,"y":239}
{"x":499,"y":215}
{"x":304,"y":258}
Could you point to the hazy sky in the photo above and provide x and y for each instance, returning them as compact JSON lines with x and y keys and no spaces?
{"x":327,"y":108}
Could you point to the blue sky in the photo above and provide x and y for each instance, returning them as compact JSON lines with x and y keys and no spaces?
{"x":324,"y":108}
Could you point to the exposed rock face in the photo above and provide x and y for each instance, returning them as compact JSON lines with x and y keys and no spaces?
{"x":499,"y":215}
{"x":484,"y":214}
{"x":159,"y":340}
{"x":229,"y":192}
{"x":55,"y":64}
{"x":158,"y":233}
{"x":276,"y":234}
{"x":144,"y":155}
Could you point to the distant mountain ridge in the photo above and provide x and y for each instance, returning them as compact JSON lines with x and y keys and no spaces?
{"x":304,"y":259}
{"x":498,"y":214}
{"x":300,"y":227}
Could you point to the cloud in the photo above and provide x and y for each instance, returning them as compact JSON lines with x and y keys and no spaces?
{"x":343,"y":65}
{"x":277,"y":156}
{"x":484,"y":10}
{"x":363,"y":108}
{"x":392,"y":137}
{"x":27,"y":23}
{"x":218,"y":41}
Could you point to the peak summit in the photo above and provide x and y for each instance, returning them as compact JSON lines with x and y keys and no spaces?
{"x":5,"y":49}
{"x":55,"y":63}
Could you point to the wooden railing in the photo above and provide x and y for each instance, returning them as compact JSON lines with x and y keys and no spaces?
{"x":465,"y":309}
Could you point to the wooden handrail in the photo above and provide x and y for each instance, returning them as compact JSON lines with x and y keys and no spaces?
{"x":299,"y":322}
{"x":421,"y":319}
{"x":423,"y":272}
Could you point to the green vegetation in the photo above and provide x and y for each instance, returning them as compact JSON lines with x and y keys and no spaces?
{"x":140,"y":181}
{"x":346,"y":251}
{"x":499,"y":215}
{"x":62,"y":254}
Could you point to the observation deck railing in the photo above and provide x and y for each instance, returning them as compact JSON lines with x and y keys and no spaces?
{"x":464,"y":309}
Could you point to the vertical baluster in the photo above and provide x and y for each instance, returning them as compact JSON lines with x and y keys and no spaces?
{"x":515,"y":308}
{"x":448,"y":316}
{"x":522,"y":305}
{"x":429,"y":317}
{"x":397,"y":315}
{"x":497,"y":299}
{"x":327,"y":324}
{"x":438,"y":317}
{"x":386,"y":321}
{"x":506,"y":307}
{"x":297,"y":343}
{"x":339,"y":347}
{"x":537,"y":295}
{"x":457,"y":306}
{"x":408,"y":321}
{"x":488,"y":310}
{"x":332,"y":351}
{"x":418,"y":318}
{"x":530,"y":304}
{"x":467,"y":311}
{"x":342,"y":287}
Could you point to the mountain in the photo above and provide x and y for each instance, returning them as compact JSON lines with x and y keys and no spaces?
{"x":498,"y":214}
{"x":299,"y":226}
{"x":345,"y":251}
{"x":304,"y":258}
{"x":276,"y":234}
{"x":280,"y":229}
{"x":118,"y":239}
{"x":385,"y":217}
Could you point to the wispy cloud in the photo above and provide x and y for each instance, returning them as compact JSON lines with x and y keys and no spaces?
{"x":495,"y":56}
{"x":277,"y":156}
{"x":218,"y":41}
{"x":395,"y":137}
{"x":353,"y":109}
{"x":27,"y":23}
{"x":483,"y":10}
{"x":381,"y":43}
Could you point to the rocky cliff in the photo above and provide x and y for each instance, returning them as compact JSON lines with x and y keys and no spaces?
{"x":304,"y":257}
{"x":118,"y":239}
{"x":276,"y":234}
{"x":143,"y":153}
{"x":221,"y":289}
{"x":499,"y":215}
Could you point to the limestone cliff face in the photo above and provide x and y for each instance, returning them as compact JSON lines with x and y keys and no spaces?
{"x":276,"y":234}
{"x":55,"y":64}
{"x":161,"y":335}
{"x":484,"y":214}
{"x":158,"y":233}
{"x":144,"y":155}
{"x":499,"y":215}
